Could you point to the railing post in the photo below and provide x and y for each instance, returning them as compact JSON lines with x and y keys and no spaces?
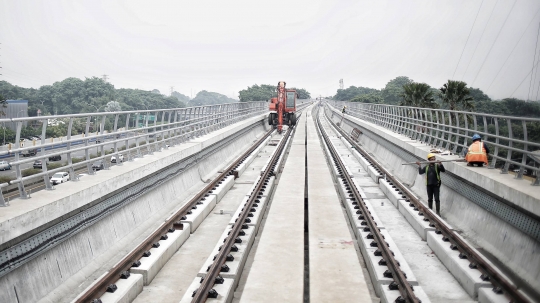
{"x":496,"y":153}
{"x":126,"y":143}
{"x":510,"y":143}
{"x":147,"y":131}
{"x":115,"y":137}
{"x":46,"y":179}
{"x":525,"y":148}
{"x":22,"y":191}
{"x":72,"y":175}
{"x":454,"y":150}
{"x":3,"y":202}
{"x":87,"y":150}
{"x":466,"y":136}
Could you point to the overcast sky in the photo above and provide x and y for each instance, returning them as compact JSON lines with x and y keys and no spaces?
{"x":226,"y":46}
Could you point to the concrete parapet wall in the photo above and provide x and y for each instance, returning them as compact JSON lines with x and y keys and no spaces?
{"x":41,"y":211}
{"x":519,"y":192}
{"x":510,"y":246}
{"x":74,"y":263}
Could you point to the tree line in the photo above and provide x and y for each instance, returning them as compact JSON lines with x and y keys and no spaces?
{"x":73,"y":95}
{"x":265,"y":92}
{"x":453,"y":95}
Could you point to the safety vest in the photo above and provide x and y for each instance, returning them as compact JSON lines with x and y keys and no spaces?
{"x":477,"y":153}
{"x":436,"y":173}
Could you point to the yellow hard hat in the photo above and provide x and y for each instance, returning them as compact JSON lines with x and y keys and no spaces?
{"x":430,"y":155}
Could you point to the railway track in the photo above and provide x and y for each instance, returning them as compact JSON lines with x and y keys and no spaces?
{"x":486,"y":270}
{"x":213,"y":277}
{"x":217,"y":283}
{"x":108,"y":282}
{"x":121,"y":270}
{"x":400,"y":280}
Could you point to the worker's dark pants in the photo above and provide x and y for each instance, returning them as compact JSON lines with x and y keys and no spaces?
{"x":433,"y":190}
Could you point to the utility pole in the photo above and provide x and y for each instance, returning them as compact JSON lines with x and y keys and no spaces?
{"x":172,"y":90}
{"x":104,"y":77}
{"x":340,"y":83}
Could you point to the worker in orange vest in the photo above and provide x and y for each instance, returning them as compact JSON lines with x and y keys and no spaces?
{"x":477,"y":152}
{"x":433,"y":180}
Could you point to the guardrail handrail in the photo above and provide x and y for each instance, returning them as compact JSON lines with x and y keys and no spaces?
{"x":175,"y":126}
{"x":453,"y":130}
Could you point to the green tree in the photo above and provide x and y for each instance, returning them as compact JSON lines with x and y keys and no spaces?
{"x":3,"y":103}
{"x":302,"y":93}
{"x":353,"y":92}
{"x":455,"y":96}
{"x":7,"y":135}
{"x":263,"y":92}
{"x":478,"y":94}
{"x":392,"y":92}
{"x":113,"y":106}
{"x":368,"y":98}
{"x":521,"y":108}
{"x":209,"y":98}
{"x":417,"y":95}
{"x":182,"y":98}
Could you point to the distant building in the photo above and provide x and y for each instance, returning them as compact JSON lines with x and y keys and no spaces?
{"x":14,"y":109}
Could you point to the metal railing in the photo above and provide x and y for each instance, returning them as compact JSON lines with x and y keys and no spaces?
{"x":506,"y":136}
{"x":176,"y":126}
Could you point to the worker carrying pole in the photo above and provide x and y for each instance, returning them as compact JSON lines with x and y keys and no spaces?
{"x":343,"y":111}
{"x":427,"y":162}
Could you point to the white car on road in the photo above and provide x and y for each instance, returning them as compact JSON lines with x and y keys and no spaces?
{"x":120,"y":157}
{"x":4,"y":165}
{"x":60,"y":177}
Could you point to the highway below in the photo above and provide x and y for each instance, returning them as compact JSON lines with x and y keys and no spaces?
{"x":12,"y":192}
{"x":79,"y":154}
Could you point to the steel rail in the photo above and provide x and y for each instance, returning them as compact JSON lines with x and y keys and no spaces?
{"x":404,"y":287}
{"x":205,"y":290}
{"x":477,"y":261}
{"x":123,"y":266}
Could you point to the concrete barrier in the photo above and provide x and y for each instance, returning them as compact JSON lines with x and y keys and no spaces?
{"x":256,"y":216}
{"x":222,"y":188}
{"x":150,"y":266}
{"x":128,"y":290}
{"x":225,"y":291}
{"x":467,"y":277}
{"x":237,"y":265}
{"x":390,"y":296}
{"x":198,"y":214}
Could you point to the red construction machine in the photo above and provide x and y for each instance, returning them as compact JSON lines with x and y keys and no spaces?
{"x":283,"y":107}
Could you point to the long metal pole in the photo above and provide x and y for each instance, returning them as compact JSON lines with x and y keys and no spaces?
{"x":437,"y":161}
